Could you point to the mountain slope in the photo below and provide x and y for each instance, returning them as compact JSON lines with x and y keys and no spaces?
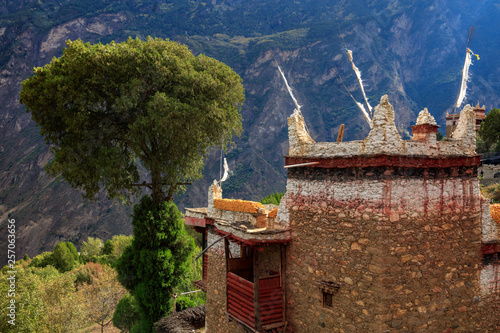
{"x":412,"y":51}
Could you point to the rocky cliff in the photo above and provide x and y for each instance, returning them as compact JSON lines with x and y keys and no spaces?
{"x":413,"y":52}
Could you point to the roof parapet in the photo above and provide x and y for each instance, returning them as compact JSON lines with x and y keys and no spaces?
{"x":384,"y":138}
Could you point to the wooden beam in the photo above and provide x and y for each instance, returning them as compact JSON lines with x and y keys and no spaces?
{"x":256,"y":275}
{"x":340,"y":136}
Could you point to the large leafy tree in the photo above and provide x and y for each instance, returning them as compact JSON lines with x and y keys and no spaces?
{"x":108,"y":109}
{"x":104,"y":108}
{"x":490,"y":130}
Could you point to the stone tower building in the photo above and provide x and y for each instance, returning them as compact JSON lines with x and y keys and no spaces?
{"x":379,"y":235}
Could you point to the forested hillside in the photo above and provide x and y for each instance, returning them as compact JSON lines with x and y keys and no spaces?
{"x":413,"y":51}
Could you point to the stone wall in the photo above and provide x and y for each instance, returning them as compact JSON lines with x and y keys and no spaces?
{"x":217,"y":319}
{"x":403,"y":244}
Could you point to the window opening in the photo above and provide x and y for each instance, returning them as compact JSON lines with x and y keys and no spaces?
{"x":328,"y":289}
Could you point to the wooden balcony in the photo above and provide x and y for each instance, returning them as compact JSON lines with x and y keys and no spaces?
{"x":258,"y":306}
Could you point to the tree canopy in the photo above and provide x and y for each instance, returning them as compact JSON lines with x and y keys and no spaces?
{"x":104,"y":108}
{"x":490,"y":129}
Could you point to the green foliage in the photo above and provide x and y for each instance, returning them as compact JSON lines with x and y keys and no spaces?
{"x":91,"y":249}
{"x":42,"y":260}
{"x":194,"y":273}
{"x":151,"y":267}
{"x":73,"y":251}
{"x":184,"y":302}
{"x":118,"y":244}
{"x":63,"y":258}
{"x":45,"y":300}
{"x":108,"y":247}
{"x":149,"y":100}
{"x":273,"y":198}
{"x":126,"y":314}
{"x":490,"y":131}
{"x":26,"y":257}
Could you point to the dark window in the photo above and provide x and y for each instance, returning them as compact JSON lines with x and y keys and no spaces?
{"x":327,"y":300}
{"x":329,"y":289}
{"x":491,"y":259}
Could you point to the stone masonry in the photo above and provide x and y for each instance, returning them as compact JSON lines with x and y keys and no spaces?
{"x":380,"y":235}
{"x":395,"y":225}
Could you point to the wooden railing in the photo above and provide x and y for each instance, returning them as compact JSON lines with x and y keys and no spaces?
{"x":241,"y":300}
{"x":270,"y":300}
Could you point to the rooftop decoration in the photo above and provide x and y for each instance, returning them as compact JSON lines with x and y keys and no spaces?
{"x":495,"y":212}
{"x":238,"y":205}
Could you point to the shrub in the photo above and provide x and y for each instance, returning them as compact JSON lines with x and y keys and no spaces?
{"x":42,"y":260}
{"x":91,"y":249}
{"x":63,"y":258}
{"x":126,"y":313}
{"x":273,"y":198}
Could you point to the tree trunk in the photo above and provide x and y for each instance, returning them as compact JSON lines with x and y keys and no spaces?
{"x":156,"y":185}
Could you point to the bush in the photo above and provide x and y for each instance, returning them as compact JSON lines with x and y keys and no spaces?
{"x":273,"y":198}
{"x":91,"y":249}
{"x":73,"y":251}
{"x":87,"y":273}
{"x":63,"y":258}
{"x":42,"y":260}
{"x":126,"y":313}
{"x":108,"y":247}
{"x":183,"y":302}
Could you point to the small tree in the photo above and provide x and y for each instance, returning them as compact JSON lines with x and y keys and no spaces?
{"x":126,"y":314}
{"x":91,"y":249}
{"x":490,"y":130}
{"x":63,"y":258}
{"x":101,"y":296}
{"x":151,"y":267}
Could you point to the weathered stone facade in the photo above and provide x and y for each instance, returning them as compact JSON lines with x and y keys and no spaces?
{"x":405,"y":250}
{"x":380,"y":235}
{"x":217,"y":319}
{"x":397,"y":226}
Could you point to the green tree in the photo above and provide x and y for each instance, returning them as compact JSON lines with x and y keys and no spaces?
{"x":107,"y":110}
{"x":104,"y":107}
{"x":126,"y":313}
{"x":91,"y":249}
{"x":490,"y":130}
{"x":73,"y":251}
{"x":273,"y":198}
{"x":63,"y":258}
{"x":152,"y":266}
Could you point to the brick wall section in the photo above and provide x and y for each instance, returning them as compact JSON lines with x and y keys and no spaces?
{"x":216,"y":318}
{"x":404,"y":244}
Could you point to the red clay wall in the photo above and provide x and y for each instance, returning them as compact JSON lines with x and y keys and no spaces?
{"x":403,"y":244}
